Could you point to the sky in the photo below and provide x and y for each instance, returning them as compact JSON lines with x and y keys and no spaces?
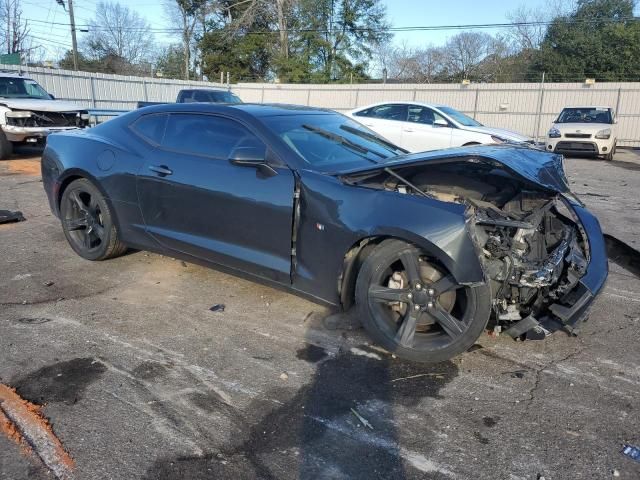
{"x":44,"y":14}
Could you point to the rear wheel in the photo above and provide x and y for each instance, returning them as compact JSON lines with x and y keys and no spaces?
{"x":88,"y":223}
{"x":413,"y":306}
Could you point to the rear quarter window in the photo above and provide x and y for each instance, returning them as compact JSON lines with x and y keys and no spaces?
{"x":150,"y":127}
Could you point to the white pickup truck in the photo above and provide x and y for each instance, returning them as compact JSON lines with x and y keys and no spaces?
{"x":28,"y":113}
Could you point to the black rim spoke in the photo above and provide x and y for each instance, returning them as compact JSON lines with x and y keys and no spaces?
{"x":75,"y":198}
{"x":445,"y":284}
{"x":448,"y":322}
{"x":76,"y":224}
{"x":412,"y":268}
{"x":98,"y":230}
{"x":385,"y":294}
{"x":407,"y":330}
{"x":87,"y":240}
{"x":93,"y":206}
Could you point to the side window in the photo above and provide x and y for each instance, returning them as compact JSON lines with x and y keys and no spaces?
{"x":364,"y":113}
{"x":150,"y":127}
{"x":207,"y":135}
{"x":424,"y":115}
{"x":390,"y":112}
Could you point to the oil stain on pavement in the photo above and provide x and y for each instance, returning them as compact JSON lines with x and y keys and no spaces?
{"x":60,"y":382}
{"x":314,"y":433}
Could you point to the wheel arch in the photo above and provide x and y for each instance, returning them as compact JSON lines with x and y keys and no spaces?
{"x":357,"y":253}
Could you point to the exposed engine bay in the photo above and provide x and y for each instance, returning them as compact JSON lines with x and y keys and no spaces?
{"x":532,"y":250}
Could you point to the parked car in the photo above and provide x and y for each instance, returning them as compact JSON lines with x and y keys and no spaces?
{"x":580,"y":131}
{"x":426,"y":246}
{"x":419,"y":126}
{"x":203,"y":95}
{"x":28,"y":113}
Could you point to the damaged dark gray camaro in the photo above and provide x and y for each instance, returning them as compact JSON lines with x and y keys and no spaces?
{"x":427,"y":247}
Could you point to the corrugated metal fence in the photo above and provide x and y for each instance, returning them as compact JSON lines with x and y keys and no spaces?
{"x":528,"y":108}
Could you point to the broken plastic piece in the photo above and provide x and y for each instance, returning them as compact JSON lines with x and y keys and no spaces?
{"x":631,"y":452}
{"x":522,"y":327}
{"x":218,"y":307}
{"x":7,"y":216}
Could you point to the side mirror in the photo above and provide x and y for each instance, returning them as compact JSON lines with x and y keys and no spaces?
{"x":439,"y":122}
{"x":253,"y":157}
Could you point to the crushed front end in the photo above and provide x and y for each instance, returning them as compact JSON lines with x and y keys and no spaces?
{"x":545,"y":260}
{"x":34,"y":126}
{"x":542,"y":252}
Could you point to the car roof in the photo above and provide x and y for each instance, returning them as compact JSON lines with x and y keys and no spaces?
{"x":588,"y":106}
{"x":205,"y":89}
{"x":12,"y":75}
{"x":253,"y":109}
{"x":401,"y":102}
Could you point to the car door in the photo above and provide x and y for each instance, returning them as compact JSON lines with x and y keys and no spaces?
{"x":425,"y":129}
{"x":195,"y":201}
{"x":386,"y":120}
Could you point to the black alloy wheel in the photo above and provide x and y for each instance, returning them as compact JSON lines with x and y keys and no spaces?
{"x":88,"y":223}
{"x":413,"y":306}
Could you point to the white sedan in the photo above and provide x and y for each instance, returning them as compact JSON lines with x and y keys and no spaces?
{"x":417,"y":126}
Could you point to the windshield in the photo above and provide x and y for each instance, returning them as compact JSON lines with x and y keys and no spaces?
{"x":460,"y":117}
{"x":21,"y":88}
{"x":585,"y":115}
{"x":331,"y":142}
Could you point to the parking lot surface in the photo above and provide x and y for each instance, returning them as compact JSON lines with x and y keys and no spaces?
{"x":138,"y":378}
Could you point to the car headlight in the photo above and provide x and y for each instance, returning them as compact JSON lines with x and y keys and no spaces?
{"x":497,"y":139}
{"x":554,"y":133}
{"x":18,"y":114}
{"x":604,"y":134}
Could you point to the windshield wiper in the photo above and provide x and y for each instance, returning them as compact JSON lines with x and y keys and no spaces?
{"x":343,"y":141}
{"x":373,"y":138}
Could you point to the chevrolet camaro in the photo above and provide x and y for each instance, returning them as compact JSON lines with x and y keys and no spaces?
{"x":427,"y":248}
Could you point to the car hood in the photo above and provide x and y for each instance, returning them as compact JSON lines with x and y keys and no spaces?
{"x":592,"y":128}
{"x":537,"y":166}
{"x":40,"y":105}
{"x":499,"y":132}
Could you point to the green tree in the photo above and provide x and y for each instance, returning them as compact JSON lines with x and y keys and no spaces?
{"x":294,"y":41}
{"x":600,"y":39}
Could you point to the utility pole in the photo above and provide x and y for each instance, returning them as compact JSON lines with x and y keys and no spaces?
{"x":72,"y":21}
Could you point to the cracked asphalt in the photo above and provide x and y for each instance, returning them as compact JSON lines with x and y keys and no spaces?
{"x":140,"y":380}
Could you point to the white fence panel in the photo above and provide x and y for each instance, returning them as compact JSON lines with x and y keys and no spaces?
{"x":529,"y":108}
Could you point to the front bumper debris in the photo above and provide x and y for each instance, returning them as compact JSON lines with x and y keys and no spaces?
{"x":31,"y":134}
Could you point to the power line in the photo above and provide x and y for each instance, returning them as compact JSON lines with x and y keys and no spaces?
{"x":418,"y":28}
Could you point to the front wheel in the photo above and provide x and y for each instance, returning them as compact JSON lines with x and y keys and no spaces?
{"x":609,"y":156}
{"x":88,"y":223}
{"x":413,"y":307}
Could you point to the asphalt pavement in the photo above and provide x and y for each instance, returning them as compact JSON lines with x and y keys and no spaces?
{"x":139,"y":379}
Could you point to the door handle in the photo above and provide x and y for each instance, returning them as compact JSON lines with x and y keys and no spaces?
{"x":407,"y":130}
{"x":161,"y":170}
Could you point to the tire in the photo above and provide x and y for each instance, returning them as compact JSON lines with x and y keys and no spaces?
{"x":609,"y":156}
{"x":6,"y":147}
{"x":88,"y":223}
{"x":433,"y":321}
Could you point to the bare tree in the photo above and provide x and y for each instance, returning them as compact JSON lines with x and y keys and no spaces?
{"x":119,"y":32}
{"x":465,"y":52}
{"x":530,"y":23}
{"x":190,"y":14}
{"x":14,"y":30}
